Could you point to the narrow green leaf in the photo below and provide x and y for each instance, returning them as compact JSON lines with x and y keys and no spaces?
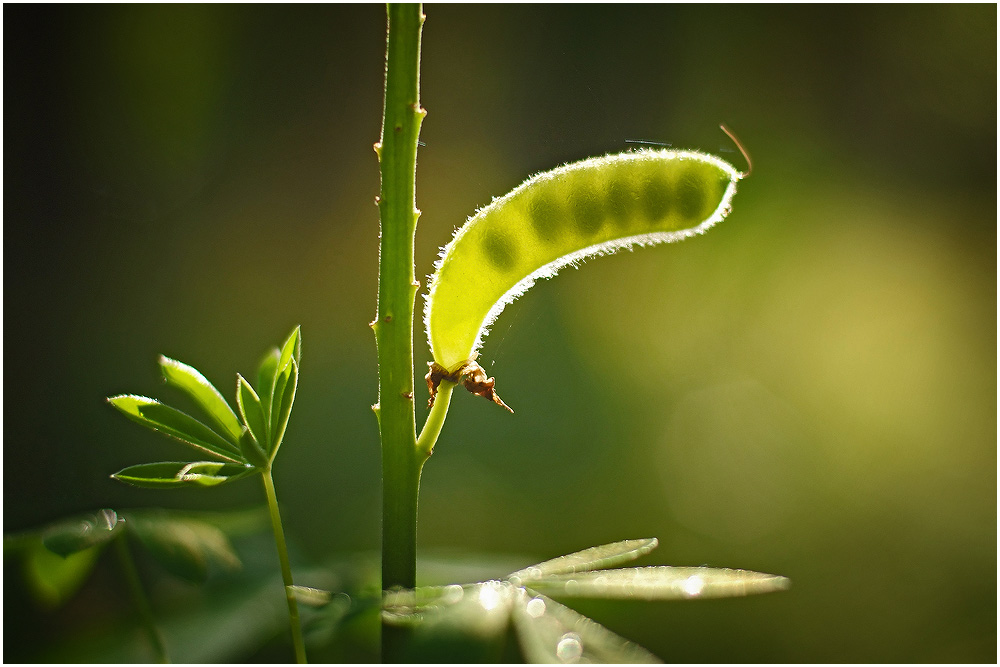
{"x":155,"y":415}
{"x":78,"y":534}
{"x":310,"y":597}
{"x":289,"y":382}
{"x":661,"y":583}
{"x":54,"y":579}
{"x":252,"y":451}
{"x":407,"y":606}
{"x":189,"y":380}
{"x":266,"y":373}
{"x":594,"y":558}
{"x":253,"y":413}
{"x":269,"y":373}
{"x":549,"y":632}
{"x":291,"y":349}
{"x":175,"y":474}
{"x":481,"y":610}
{"x":183,"y":546}
{"x":280,"y":383}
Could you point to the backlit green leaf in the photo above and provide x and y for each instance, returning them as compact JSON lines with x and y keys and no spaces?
{"x":184,"y":546}
{"x":481,"y":611}
{"x":251,"y":451}
{"x":159,"y":417}
{"x":311,"y":597}
{"x":594,"y":558}
{"x":547,"y":631}
{"x":284,"y":397}
{"x":252,"y":411}
{"x":291,"y":349}
{"x":54,"y":579}
{"x":175,"y":474}
{"x":661,"y":583}
{"x":553,"y":633}
{"x":189,"y":380}
{"x":266,"y":373}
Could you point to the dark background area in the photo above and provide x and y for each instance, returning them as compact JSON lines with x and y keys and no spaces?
{"x":808,"y":390}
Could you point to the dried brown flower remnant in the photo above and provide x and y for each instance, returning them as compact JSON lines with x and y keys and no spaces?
{"x":469,"y":374}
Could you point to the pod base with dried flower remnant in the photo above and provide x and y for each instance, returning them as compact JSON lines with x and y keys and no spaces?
{"x":470,"y":375}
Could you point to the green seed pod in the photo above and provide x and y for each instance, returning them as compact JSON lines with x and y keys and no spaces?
{"x":559,"y":218}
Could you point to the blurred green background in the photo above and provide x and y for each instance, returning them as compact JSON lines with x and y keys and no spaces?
{"x":808,"y":390}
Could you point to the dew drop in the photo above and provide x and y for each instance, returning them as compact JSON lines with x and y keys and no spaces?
{"x":693,"y":586}
{"x":535,"y":607}
{"x":569,"y":648}
{"x":489,"y":596}
{"x":108,"y":519}
{"x":453,"y":594}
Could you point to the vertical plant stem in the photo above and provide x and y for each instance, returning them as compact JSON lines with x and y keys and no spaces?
{"x":397,"y":289}
{"x":139,"y":598}
{"x":286,"y":569}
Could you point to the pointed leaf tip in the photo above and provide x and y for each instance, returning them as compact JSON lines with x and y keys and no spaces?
{"x":594,"y":558}
{"x":155,"y":415}
{"x":175,"y":474}
{"x":191,"y":381}
{"x":290,"y":349}
{"x":661,"y":583}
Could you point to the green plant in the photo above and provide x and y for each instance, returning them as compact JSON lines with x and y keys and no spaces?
{"x":58,"y":558}
{"x":554,"y":219}
{"x":241,"y":446}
